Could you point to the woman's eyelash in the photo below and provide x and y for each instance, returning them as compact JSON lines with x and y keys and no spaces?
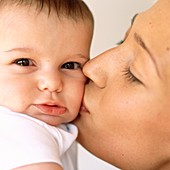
{"x":127,"y":73}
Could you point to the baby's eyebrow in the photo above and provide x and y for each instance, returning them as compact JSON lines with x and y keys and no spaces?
{"x":22,"y":49}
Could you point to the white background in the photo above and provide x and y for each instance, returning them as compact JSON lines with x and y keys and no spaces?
{"x":112,"y":19}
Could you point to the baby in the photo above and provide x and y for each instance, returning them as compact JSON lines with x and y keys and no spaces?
{"x":43,"y":47}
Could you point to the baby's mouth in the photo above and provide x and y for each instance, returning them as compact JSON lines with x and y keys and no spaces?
{"x":49,"y":109}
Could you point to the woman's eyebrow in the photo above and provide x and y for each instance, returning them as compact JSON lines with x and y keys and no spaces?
{"x":140,"y":41}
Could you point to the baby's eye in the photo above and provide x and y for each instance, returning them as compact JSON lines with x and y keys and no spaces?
{"x":23,"y":62}
{"x":71,"y":65}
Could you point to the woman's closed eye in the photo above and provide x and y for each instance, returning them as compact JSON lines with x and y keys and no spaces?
{"x":24,"y":62}
{"x":130,"y":77}
{"x":71,"y":65}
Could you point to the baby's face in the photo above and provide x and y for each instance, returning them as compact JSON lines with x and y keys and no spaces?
{"x":40,"y":63}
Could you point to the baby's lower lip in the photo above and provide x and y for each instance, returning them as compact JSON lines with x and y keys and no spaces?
{"x":51,"y":109}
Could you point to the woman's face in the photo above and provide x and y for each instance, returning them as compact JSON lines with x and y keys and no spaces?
{"x":126,"y":121}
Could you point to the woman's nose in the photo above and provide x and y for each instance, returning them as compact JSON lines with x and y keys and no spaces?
{"x":95,"y":70}
{"x":50,"y":81}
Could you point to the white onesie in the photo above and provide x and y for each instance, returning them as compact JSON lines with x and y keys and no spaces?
{"x":25,"y":140}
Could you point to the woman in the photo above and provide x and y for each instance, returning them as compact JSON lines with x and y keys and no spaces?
{"x":125,"y":119}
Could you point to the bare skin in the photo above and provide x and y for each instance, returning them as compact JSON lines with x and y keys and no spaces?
{"x":41,"y":66}
{"x":125,"y":119}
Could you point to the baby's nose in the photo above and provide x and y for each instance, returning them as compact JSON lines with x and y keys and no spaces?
{"x":50,"y":81}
